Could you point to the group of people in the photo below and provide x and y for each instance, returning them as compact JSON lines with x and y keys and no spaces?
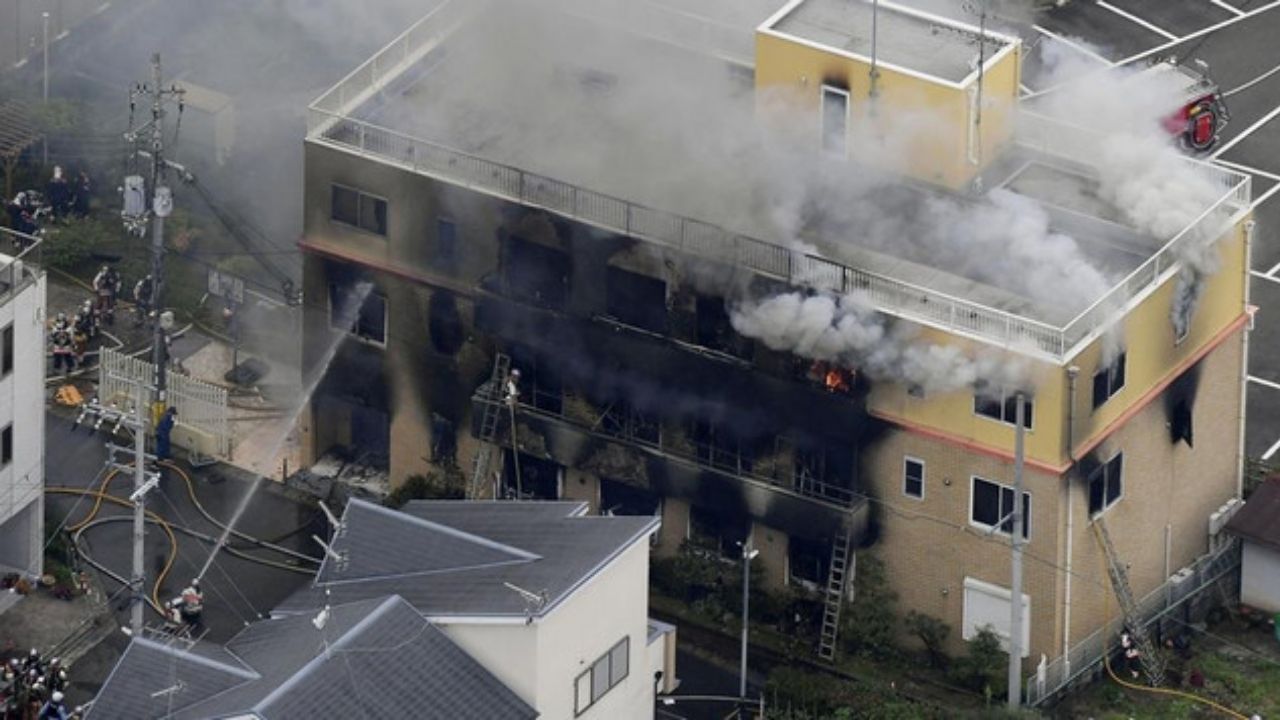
{"x":70,"y":337}
{"x":32,"y":689}
{"x":61,"y":198}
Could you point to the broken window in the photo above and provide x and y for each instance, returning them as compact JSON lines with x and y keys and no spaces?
{"x":992,"y":503}
{"x":621,"y":419}
{"x":539,"y":384}
{"x":718,"y":448}
{"x":358,"y":209}
{"x":715,"y":330}
{"x":1000,"y":403}
{"x":1180,"y":422}
{"x":536,"y":273}
{"x":708,"y":531}
{"x":368,"y":321}
{"x":1105,"y":485}
{"x":637,"y":300}
{"x":913,"y":477}
{"x":807,"y":561}
{"x":1108,"y":381}
{"x":538,"y":479}
{"x":619,"y":498}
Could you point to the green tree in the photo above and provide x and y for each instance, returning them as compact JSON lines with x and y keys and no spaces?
{"x":932,"y":633}
{"x":983,"y":668}
{"x":869,"y":624}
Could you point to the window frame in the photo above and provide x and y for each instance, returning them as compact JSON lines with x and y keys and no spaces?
{"x":1108,"y":374}
{"x":354,"y":332}
{"x":1104,"y":473}
{"x":6,"y":446}
{"x":1004,"y":403}
{"x":907,"y":460}
{"x":6,"y":351}
{"x":589,"y":674}
{"x":359,"y":219}
{"x":824,"y":90}
{"x":1001,"y":488}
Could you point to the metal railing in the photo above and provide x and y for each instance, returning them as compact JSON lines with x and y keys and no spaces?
{"x":330,"y":122}
{"x":21,"y":264}
{"x":1086,"y":655}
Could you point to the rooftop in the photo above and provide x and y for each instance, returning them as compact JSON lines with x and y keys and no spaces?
{"x":651,"y":134}
{"x":1259,"y":520}
{"x":906,"y":39}
{"x":376,"y":658}
{"x":458,"y":558}
{"x":20,"y":260}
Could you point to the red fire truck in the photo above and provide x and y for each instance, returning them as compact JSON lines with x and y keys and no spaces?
{"x":1203,"y":113}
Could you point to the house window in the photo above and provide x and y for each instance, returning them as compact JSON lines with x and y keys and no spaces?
{"x":807,"y":561}
{"x":1108,"y":381}
{"x":1001,"y":403}
{"x":352,"y":207}
{"x":536,"y":273}
{"x":540,"y":384}
{"x":712,"y":533}
{"x":992,"y":503}
{"x":603,"y":675}
{"x":913,"y":477}
{"x":835,"y":120}
{"x":369,"y":321}
{"x":715,"y":329}
{"x":6,"y":446}
{"x":446,"y":254}
{"x":1105,"y":485}
{"x":6,"y":349}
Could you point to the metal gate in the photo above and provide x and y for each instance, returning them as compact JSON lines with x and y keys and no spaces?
{"x":202,"y":406}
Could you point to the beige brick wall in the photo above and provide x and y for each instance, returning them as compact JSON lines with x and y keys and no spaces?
{"x":675,"y":526}
{"x":772,"y":559}
{"x":582,"y":485}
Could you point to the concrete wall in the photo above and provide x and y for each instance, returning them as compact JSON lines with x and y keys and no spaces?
{"x":509,"y":651}
{"x":22,"y":410}
{"x":1260,"y":577}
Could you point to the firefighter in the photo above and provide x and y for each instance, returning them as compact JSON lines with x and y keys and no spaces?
{"x":59,"y":192}
{"x":8,"y":693}
{"x":56,"y":676}
{"x":84,"y":193}
{"x":188,"y":608}
{"x":164,"y":429}
{"x":106,"y":284}
{"x":1131,"y":654}
{"x":142,"y":300}
{"x":63,"y":352}
{"x":511,"y":390}
{"x":54,"y":708}
{"x":86,"y":321}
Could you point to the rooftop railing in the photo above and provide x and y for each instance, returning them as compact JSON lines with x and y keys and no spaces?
{"x":330,"y":122}
{"x":20,"y":264}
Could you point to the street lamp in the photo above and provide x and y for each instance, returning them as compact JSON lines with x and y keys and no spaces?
{"x":748,"y":554}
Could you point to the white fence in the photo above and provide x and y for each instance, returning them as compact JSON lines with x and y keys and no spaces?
{"x":201,"y":406}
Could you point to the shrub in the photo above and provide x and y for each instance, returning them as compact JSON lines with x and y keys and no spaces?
{"x":982,"y":669}
{"x":869,"y":623}
{"x":932,"y":633}
{"x":432,"y":486}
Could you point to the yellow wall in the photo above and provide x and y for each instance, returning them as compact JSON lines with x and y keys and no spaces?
{"x":921,"y":128}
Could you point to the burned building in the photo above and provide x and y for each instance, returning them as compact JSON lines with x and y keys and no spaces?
{"x":764,"y":285}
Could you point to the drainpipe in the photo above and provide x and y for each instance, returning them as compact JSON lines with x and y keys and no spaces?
{"x":1244,"y":358}
{"x":1072,"y":373}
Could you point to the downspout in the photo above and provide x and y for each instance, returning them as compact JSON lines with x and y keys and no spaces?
{"x":1244,"y":358}
{"x":1072,"y":373}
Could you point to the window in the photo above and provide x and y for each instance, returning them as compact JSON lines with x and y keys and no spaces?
{"x":713,"y":533}
{"x":6,"y":446}
{"x":6,"y":348}
{"x":538,"y":479}
{"x":992,"y":503}
{"x":987,"y":605}
{"x":807,"y":561}
{"x":620,"y":498}
{"x":1105,"y":485}
{"x":913,"y":477}
{"x":368,"y":321}
{"x":603,"y":675}
{"x":715,"y":329}
{"x":636,"y":299}
{"x":1001,"y":403}
{"x":446,"y":253}
{"x":1108,"y":381}
{"x":835,"y":120}
{"x":540,"y":384}
{"x":536,"y":273}
{"x":621,"y":419}
{"x":352,"y":207}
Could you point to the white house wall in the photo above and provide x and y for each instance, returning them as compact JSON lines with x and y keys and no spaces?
{"x":1260,"y":578}
{"x":22,"y":405}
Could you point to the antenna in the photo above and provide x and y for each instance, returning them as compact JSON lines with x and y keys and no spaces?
{"x":337,"y":524}
{"x":534,"y":602}
{"x":339,"y":558}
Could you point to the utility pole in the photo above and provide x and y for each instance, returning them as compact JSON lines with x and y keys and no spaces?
{"x":1015,"y":543}
{"x":44,"y":140}
{"x":748,"y":554}
{"x":160,"y":205}
{"x":139,"y":511}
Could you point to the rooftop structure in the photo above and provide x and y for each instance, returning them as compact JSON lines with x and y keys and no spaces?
{"x":490,"y":101}
{"x":375,"y":658}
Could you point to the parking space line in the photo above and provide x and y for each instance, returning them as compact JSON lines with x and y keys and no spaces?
{"x":1248,"y":169}
{"x":1271,"y":451}
{"x":1159,"y":49}
{"x":1265,"y":275}
{"x":1252,"y":82}
{"x":1264,"y":196}
{"x":1135,"y":19}
{"x":1229,"y":8}
{"x":1247,"y":132}
{"x":1075,"y":45}
{"x":1264,"y":383}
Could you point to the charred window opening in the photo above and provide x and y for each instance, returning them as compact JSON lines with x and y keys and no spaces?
{"x":444,"y":440}
{"x":719,"y":448}
{"x":444,"y":323}
{"x":1180,"y":422}
{"x":1108,"y":381}
{"x":637,"y":300}
{"x":992,"y":503}
{"x":368,"y":321}
{"x":538,"y":479}
{"x":540,"y":384}
{"x":536,"y":274}
{"x":999,"y":402}
{"x":1105,"y":486}
{"x":832,"y":377}
{"x":618,"y":498}
{"x":358,"y":209}
{"x":715,"y":329}
{"x":622,"y":420}
{"x":712,"y":533}
{"x":807,"y":561}
{"x":445,"y":256}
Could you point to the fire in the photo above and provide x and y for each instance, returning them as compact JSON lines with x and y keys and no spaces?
{"x":834,"y":378}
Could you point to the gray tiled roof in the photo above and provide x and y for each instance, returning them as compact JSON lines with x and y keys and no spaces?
{"x":377,"y":658}
{"x":566,"y":547}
